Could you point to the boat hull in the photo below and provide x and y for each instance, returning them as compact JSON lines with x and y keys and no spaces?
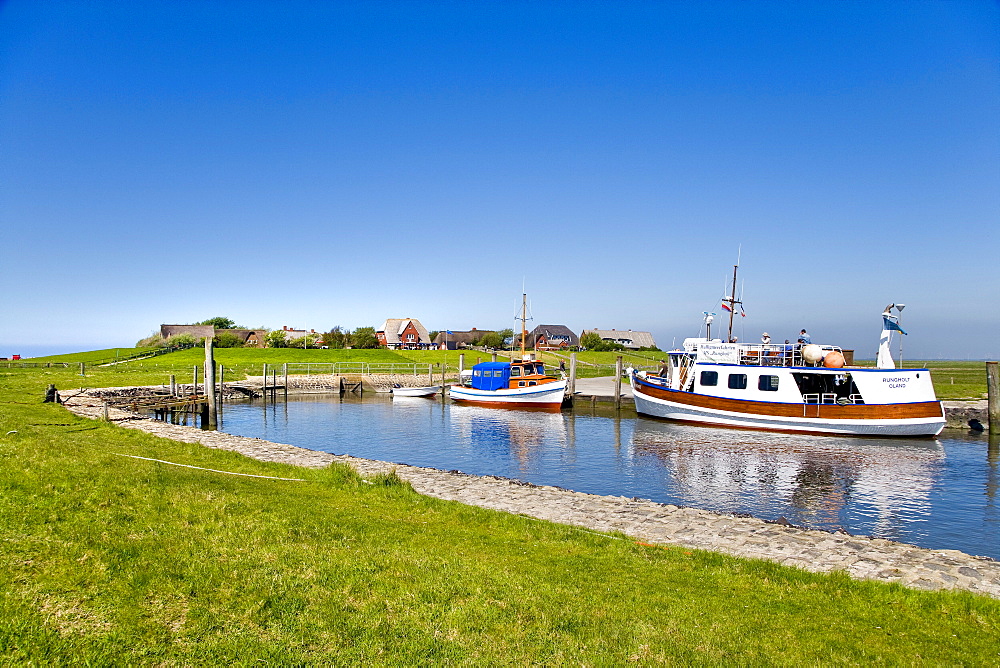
{"x":547,"y":395}
{"x":415,"y":391}
{"x":912,"y":419}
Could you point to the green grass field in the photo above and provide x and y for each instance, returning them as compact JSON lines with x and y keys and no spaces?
{"x":108,"y":560}
{"x":952,"y":379}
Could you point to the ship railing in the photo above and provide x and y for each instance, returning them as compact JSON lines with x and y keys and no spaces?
{"x":776,"y":354}
{"x":831,"y":398}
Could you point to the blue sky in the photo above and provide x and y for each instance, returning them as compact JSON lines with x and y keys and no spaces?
{"x":337,"y":163}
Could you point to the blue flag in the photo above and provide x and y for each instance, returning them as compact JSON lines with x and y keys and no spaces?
{"x":451,"y":332}
{"x":890,"y":325}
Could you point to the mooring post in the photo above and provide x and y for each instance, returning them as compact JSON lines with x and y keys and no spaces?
{"x":993,"y":396}
{"x":572,"y":374}
{"x":83,"y":369}
{"x":430,"y":374}
{"x":461,"y":365}
{"x":494,"y":357}
{"x":618,"y":383}
{"x":212,"y":408}
{"x":443,"y":366}
{"x":284,"y":371}
{"x":173,"y":385}
{"x":194,"y":382}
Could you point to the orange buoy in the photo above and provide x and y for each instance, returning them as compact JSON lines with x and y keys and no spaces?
{"x":833,"y":360}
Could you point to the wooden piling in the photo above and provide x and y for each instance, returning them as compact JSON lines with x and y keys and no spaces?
{"x":461,"y":364}
{"x":284,"y":370}
{"x":104,"y":411}
{"x":211,"y":409}
{"x":263,"y":391}
{"x":494,"y":357}
{"x":618,"y":383}
{"x":572,"y":374}
{"x":993,"y":394}
{"x":443,"y":367}
{"x":194,"y":382}
{"x":173,"y":385}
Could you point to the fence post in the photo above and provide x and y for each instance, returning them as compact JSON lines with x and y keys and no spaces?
{"x":212,"y":409}
{"x":83,"y":369}
{"x":618,"y":383}
{"x":993,"y":396}
{"x":572,"y":374}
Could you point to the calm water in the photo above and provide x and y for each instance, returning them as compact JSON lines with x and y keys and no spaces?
{"x":942,"y":493}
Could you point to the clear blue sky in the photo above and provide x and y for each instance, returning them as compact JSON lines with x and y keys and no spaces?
{"x":314,"y":164}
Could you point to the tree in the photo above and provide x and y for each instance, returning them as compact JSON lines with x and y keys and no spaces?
{"x":433,"y":334}
{"x":364,"y":337}
{"x":505,"y":335}
{"x":491,"y":340}
{"x":228,"y":340}
{"x":336,"y":338}
{"x":590,"y":341}
{"x":307,"y":341}
{"x":276,"y":339}
{"x":220,"y":322}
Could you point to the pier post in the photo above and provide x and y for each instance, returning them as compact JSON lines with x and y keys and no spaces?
{"x":494,"y":357}
{"x":461,"y":364}
{"x":430,"y":374}
{"x":993,"y":394}
{"x":284,"y":371}
{"x":212,"y":409}
{"x":263,"y":390}
{"x":572,"y":374}
{"x":194,"y":382}
{"x":173,"y":385}
{"x":618,"y":383}
{"x":443,"y":367}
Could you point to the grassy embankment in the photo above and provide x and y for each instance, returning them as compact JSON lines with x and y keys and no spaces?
{"x":112,"y":560}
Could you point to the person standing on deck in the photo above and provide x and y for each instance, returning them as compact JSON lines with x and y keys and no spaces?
{"x":804,"y":338}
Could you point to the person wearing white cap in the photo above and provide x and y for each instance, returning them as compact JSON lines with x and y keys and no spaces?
{"x":765,"y":338}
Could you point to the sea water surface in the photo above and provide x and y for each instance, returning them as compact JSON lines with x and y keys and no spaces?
{"x":939,"y":493}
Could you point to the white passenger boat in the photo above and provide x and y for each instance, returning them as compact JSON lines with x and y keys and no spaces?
{"x":519,"y":383}
{"x":790,"y":387}
{"x":428,"y":391}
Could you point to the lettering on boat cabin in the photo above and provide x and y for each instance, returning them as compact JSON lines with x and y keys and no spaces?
{"x":896,"y":382}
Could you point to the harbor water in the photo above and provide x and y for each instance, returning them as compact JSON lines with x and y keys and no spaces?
{"x":941,"y":493}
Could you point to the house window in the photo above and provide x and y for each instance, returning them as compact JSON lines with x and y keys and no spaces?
{"x":737,"y":381}
{"x":709,"y":378}
{"x":409,"y":337}
{"x":767,"y":383}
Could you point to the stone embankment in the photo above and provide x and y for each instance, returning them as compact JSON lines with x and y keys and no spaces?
{"x":958,"y":413}
{"x":643,"y":520}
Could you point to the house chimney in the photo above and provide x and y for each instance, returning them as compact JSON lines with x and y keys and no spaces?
{"x":284,"y":327}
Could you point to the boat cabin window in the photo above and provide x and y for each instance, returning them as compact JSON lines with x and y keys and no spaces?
{"x":515,"y":371}
{"x":767,"y":383}
{"x":709,"y":378}
{"x":737,"y":381}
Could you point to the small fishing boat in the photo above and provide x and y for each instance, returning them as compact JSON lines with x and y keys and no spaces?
{"x":520,"y":383}
{"x":801,"y":387}
{"x":428,"y":391}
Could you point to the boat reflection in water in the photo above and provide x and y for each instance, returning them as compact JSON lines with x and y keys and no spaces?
{"x":827,"y":482}
{"x":506,"y":432}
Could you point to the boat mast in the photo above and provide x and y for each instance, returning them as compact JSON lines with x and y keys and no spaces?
{"x":732,"y":303}
{"x":524,"y":317}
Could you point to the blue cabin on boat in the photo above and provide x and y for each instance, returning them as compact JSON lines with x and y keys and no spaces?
{"x":491,"y":376}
